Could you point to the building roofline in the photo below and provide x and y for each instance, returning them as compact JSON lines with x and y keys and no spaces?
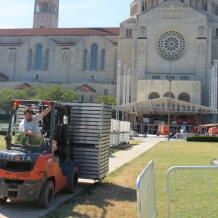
{"x":113,"y":31}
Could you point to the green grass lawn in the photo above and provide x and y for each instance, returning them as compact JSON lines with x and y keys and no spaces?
{"x":2,"y":142}
{"x":116,"y":195}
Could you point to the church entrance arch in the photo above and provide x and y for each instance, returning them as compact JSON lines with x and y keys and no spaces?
{"x":184,"y":97}
{"x":153,"y":95}
{"x":167,"y":95}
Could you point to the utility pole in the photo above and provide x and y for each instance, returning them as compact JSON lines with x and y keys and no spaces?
{"x":118,"y":88}
{"x":124,"y":87}
{"x":169,"y":111}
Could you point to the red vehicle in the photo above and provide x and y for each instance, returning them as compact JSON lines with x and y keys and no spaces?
{"x":190,"y":122}
{"x":207,"y":128}
{"x":213,"y":131}
{"x":162,"y":129}
{"x":35,"y":172}
{"x":180,"y":121}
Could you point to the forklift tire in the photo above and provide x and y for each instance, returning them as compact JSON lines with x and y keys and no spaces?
{"x":3,"y":200}
{"x":46,"y":195}
{"x":71,"y":188}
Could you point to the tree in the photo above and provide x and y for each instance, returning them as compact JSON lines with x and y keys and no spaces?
{"x":6,"y":95}
{"x":56,"y":93}
{"x":107,"y":100}
{"x":31,"y":92}
{"x":53,"y":93}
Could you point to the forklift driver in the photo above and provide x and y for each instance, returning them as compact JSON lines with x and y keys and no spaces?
{"x":29,"y":125}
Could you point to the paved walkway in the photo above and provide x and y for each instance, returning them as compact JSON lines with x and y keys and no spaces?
{"x":31,"y":209}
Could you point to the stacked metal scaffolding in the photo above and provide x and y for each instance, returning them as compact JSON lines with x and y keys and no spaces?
{"x":213,"y":90}
{"x":128,"y":85}
{"x":126,"y":88}
{"x":89,"y":132}
{"x":124,"y":83}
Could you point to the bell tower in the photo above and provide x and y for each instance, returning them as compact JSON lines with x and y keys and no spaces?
{"x":46,"y":14}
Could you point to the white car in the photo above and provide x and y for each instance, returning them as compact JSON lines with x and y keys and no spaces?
{"x":139,"y":134}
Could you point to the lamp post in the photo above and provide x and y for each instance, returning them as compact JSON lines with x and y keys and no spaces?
{"x":169,"y":112}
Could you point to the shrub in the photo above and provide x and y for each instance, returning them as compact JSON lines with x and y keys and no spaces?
{"x":202,"y":139}
{"x":4,"y":132}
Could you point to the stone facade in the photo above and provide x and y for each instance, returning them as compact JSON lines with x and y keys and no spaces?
{"x":161,"y":40}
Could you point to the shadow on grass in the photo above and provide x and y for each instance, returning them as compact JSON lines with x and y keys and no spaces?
{"x":97,"y":197}
{"x":119,"y":148}
{"x":123,"y":147}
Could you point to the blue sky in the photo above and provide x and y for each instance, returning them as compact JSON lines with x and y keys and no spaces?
{"x":72,"y":13}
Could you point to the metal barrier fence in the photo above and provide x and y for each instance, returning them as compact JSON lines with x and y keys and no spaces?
{"x":192,"y":191}
{"x":183,"y":136}
{"x":145,"y":190}
{"x":4,"y":126}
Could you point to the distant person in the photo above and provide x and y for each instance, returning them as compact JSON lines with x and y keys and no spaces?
{"x":184,"y":130}
{"x":65,"y":119}
{"x":29,"y":125}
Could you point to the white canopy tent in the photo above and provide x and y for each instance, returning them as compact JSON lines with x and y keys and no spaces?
{"x":161,"y":105}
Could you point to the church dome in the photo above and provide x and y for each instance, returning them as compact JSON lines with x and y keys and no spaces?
{"x":130,"y":20}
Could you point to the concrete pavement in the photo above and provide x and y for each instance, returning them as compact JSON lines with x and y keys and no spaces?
{"x":32,"y":210}
{"x":119,"y":158}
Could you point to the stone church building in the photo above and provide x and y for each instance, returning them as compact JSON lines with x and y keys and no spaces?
{"x":160,"y":41}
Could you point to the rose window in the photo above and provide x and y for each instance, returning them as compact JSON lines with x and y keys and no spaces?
{"x":171,"y":45}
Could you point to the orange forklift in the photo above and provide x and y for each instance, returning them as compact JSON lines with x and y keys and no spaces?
{"x":30,"y":172}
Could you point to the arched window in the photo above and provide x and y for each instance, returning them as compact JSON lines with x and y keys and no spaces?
{"x":167,"y":95}
{"x":64,"y":57}
{"x":30,"y":62}
{"x":103,"y":60}
{"x":46,"y":59}
{"x":44,"y":7}
{"x":94,"y":57}
{"x":184,"y":97}
{"x":153,"y":95}
{"x":127,"y":32}
{"x":37,"y":8}
{"x":38,"y":57}
{"x":85,"y":55}
{"x":130,"y":32}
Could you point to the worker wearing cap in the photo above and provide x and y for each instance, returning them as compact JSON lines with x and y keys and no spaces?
{"x":29,"y":125}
